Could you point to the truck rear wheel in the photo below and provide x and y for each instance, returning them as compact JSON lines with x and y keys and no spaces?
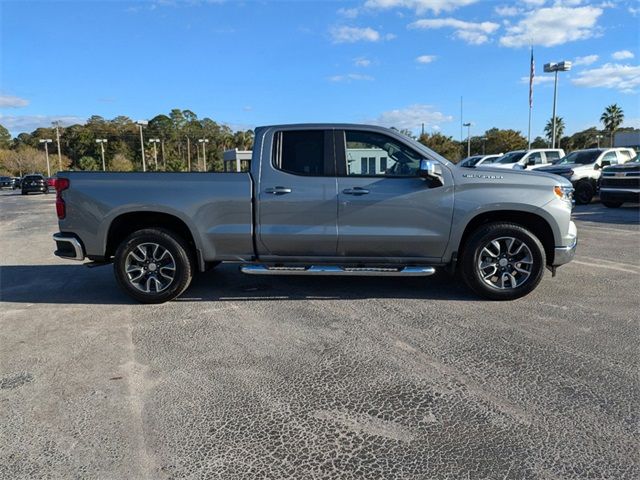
{"x":503,"y":261}
{"x":153,"y":265}
{"x":611,"y":203}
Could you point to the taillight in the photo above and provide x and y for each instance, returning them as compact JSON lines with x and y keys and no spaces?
{"x":61,"y":208}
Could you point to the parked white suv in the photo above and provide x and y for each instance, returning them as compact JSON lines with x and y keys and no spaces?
{"x":534,"y":158}
{"x":584,"y":167}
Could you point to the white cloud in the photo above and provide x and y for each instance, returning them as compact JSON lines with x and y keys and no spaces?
{"x":348,"y":12}
{"x":411,"y":117}
{"x":362,"y":62}
{"x":9,"y":101}
{"x":507,"y":11}
{"x":28,"y":123}
{"x":538,"y":79}
{"x":426,"y":58}
{"x":586,"y":60}
{"x":420,"y":6}
{"x":553,"y":26}
{"x":354,"y":34}
{"x":622,"y":55}
{"x":473,"y":33}
{"x":611,"y":75}
{"x":350,"y":77}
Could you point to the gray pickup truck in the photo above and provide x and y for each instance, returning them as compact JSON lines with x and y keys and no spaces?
{"x":321,"y":199}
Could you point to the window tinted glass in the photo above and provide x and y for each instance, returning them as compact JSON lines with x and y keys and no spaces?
{"x":552,"y":156}
{"x":301,"y":152}
{"x":610,"y":157}
{"x":512,"y":157}
{"x":535,"y":158}
{"x":374,"y":154}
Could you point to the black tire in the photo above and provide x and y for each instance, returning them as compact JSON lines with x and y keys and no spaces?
{"x":611,"y":203}
{"x":584,"y":193}
{"x":471,"y":255}
{"x":23,"y":192}
{"x":179,"y":254}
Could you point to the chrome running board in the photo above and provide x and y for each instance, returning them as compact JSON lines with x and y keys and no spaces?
{"x":336,"y":270}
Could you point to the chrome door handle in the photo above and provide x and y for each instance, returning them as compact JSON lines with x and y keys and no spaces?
{"x":278,"y":190}
{"x":355,"y":191}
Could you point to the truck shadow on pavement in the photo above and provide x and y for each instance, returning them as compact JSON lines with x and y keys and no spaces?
{"x":77,"y":284}
{"x":628,"y":214}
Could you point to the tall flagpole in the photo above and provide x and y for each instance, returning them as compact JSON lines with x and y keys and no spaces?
{"x":531,"y":76}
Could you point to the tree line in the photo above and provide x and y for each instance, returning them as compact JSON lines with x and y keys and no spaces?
{"x":178,"y":147}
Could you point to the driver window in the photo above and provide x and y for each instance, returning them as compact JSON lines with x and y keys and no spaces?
{"x":611,"y":158}
{"x":372,"y":154}
{"x":534,"y":159}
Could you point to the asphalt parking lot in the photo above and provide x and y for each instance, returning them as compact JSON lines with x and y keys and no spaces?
{"x":290,"y":377}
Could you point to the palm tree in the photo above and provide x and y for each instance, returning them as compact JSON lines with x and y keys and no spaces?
{"x":612,"y":118}
{"x":548,"y":129}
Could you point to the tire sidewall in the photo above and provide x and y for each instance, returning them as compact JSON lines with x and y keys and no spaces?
{"x":174,"y":244}
{"x":587,"y":190}
{"x":474,"y":247}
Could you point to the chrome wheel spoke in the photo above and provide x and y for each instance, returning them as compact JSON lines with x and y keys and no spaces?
{"x":150,"y":268}
{"x":505,"y":263}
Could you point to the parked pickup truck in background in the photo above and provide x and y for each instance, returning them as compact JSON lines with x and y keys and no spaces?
{"x":321,"y":199}
{"x":529,"y":159}
{"x":584,"y":167}
{"x":620,"y":184}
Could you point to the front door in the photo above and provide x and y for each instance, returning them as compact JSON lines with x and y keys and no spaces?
{"x":297,"y":200}
{"x":384,"y":209}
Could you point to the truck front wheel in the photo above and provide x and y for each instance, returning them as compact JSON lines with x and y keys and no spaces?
{"x":503,"y":261}
{"x":584,"y":193}
{"x":153,"y":265}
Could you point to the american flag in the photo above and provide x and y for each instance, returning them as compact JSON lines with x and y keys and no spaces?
{"x":531,"y":75}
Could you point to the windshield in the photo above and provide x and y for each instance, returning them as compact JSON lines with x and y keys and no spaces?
{"x":512,"y":157}
{"x":583,"y":157}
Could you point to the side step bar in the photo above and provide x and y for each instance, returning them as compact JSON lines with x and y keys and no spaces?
{"x":335,"y":270}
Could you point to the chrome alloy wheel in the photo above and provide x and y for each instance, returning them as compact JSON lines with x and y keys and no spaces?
{"x":150,"y":268}
{"x":505,"y":263}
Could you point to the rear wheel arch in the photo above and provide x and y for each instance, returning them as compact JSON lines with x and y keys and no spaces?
{"x":536,"y":224}
{"x":125,"y":224}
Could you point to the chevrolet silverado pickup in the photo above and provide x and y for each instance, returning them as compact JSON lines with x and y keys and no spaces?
{"x":620,"y":184}
{"x":321,"y":199}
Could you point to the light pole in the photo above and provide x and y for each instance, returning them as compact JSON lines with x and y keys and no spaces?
{"x":204,"y":142}
{"x":484,"y":142}
{"x":468,"y":125}
{"x":102,"y":141}
{"x":563,"y":66}
{"x":46,"y":142}
{"x":155,"y":142}
{"x":188,"y":153}
{"x":57,"y":124}
{"x":140,"y":124}
{"x":598,"y":138}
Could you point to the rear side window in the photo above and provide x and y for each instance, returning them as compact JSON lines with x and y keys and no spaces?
{"x":624,"y":155}
{"x":551,"y":156}
{"x":302,"y":152}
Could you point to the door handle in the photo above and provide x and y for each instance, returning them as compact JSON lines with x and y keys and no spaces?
{"x":278,"y":190}
{"x":355,"y":191}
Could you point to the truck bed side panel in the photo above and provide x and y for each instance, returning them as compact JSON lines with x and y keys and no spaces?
{"x":215,"y":206}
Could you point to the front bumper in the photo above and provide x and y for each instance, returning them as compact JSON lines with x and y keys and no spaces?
{"x":620,"y":194}
{"x":566,"y":253}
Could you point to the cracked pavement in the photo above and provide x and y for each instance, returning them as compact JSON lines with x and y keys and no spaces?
{"x":289,"y":377}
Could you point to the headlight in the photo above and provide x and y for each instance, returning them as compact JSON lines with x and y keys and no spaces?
{"x":564,"y":193}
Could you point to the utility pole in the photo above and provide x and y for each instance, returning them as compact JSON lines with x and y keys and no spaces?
{"x":102,"y":141}
{"x":57,"y":124}
{"x":468,"y":125}
{"x":484,"y":142}
{"x":140,"y":125}
{"x":155,"y":142}
{"x":189,"y":154}
{"x":204,"y":142}
{"x":46,"y":142}
{"x":164,"y":159}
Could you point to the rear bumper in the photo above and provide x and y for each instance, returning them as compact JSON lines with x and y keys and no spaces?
{"x":566,"y":253}
{"x":68,"y":246}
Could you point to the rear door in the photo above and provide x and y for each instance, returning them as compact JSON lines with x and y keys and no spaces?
{"x":297,"y":197}
{"x":384,"y":209}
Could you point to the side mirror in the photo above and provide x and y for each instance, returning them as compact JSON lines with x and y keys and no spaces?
{"x":531,"y":161}
{"x":605,"y":163}
{"x":429,"y":169}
